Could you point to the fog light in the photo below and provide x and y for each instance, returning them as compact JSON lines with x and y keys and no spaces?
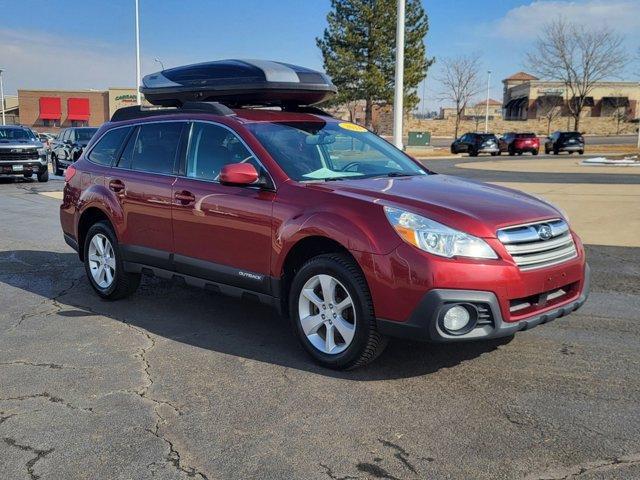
{"x":456,"y":318}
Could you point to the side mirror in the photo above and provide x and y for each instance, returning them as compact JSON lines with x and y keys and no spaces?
{"x":238,"y":174}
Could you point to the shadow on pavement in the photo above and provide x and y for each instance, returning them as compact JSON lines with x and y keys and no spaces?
{"x":213,"y":322}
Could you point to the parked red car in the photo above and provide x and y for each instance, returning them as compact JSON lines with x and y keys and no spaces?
{"x":518,"y":143}
{"x":348,"y":236}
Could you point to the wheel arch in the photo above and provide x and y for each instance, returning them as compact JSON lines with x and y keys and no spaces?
{"x":90,"y":216}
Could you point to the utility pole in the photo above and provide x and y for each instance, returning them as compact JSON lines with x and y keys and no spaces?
{"x":486,"y":115}
{"x":2,"y":96}
{"x":138,"y":96}
{"x":399,"y":83}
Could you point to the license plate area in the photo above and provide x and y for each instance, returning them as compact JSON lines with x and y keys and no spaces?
{"x":17,"y":168}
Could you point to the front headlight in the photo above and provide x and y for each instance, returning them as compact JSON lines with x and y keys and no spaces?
{"x":433,"y":237}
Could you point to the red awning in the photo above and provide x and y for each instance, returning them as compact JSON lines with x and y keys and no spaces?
{"x":50,"y":108}
{"x":78,"y":109}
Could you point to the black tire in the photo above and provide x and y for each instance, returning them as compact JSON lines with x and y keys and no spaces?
{"x":519,"y":153}
{"x":493,"y":154}
{"x":534,"y":152}
{"x":453,"y":150}
{"x":512,"y":152}
{"x":124,"y":283}
{"x":581,"y":152}
{"x":367,"y":343}
{"x":56,"y":166}
{"x":547,"y":151}
{"x":43,"y":175}
{"x":556,"y":151}
{"x":473,"y":153}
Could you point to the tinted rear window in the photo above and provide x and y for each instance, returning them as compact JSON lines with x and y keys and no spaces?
{"x":156,"y":146}
{"x":570,"y":134}
{"x":108,"y":146}
{"x":525,"y":135}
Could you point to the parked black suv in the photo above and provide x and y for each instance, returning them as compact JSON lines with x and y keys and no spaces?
{"x":21,"y":153}
{"x":68,"y":146}
{"x":475,"y":143}
{"x":564,"y":142}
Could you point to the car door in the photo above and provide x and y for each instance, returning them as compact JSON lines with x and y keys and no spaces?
{"x":221,"y":232}
{"x":57,"y":148}
{"x":142,"y":182}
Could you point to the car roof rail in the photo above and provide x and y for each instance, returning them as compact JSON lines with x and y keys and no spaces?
{"x":139,"y":111}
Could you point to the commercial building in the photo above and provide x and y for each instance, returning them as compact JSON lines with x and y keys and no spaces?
{"x":528,"y":97}
{"x":51,"y":110}
{"x":470,"y":112}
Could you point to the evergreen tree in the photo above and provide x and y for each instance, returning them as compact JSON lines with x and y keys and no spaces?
{"x":358,"y":48}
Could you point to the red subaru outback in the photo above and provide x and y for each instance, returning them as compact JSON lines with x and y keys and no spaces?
{"x":348,"y":236}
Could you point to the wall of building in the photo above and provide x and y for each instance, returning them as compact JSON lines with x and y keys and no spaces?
{"x":446,"y":127}
{"x":29,"y":101}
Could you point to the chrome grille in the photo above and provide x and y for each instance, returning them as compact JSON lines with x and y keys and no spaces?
{"x":529,"y":249}
{"x":18,"y":154}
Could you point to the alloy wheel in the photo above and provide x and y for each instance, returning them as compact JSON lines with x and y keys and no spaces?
{"x":102,"y":261}
{"x":327,"y":314}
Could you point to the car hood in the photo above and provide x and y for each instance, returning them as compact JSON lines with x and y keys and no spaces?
{"x":473,"y":207}
{"x":20,"y":144}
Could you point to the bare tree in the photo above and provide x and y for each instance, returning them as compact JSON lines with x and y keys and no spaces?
{"x":550,"y":108}
{"x":619,"y":109}
{"x":460,"y":82}
{"x":579,"y":58}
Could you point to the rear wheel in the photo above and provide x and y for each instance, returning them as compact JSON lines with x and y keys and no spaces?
{"x":534,"y":152}
{"x":104,"y":265}
{"x":332,"y":313}
{"x":581,"y":152}
{"x":512,"y":152}
{"x":556,"y":151}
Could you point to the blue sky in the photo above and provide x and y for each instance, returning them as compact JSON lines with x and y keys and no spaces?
{"x":90,"y":44}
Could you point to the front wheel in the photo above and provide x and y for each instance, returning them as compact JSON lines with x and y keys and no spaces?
{"x":43,"y":175}
{"x":535,"y":152}
{"x":104,"y":265}
{"x":56,"y":166}
{"x":332,"y":314}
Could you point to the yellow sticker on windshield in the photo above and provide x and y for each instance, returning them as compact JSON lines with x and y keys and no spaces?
{"x":352,"y":127}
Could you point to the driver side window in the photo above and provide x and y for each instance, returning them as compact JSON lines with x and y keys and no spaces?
{"x":211,"y":147}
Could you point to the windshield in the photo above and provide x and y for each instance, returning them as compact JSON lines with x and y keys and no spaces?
{"x":16,"y":134}
{"x":85,"y":134}
{"x":309,"y":151}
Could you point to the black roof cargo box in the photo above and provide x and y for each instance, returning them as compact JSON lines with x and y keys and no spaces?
{"x":238,"y":83}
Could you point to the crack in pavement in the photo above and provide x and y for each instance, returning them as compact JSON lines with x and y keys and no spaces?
{"x":173,"y":457}
{"x":589,"y":467}
{"x":54,"y":366}
{"x":333,"y":476}
{"x":49,"y":397}
{"x":4,"y":418}
{"x":40,"y":454}
{"x":401,"y":454}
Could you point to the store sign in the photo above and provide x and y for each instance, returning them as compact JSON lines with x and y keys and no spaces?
{"x":551,"y":91}
{"x":126,"y":98}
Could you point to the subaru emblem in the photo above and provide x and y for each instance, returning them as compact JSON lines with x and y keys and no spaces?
{"x":544,"y":232}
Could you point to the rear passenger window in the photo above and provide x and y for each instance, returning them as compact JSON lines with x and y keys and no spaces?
{"x":155,"y":148}
{"x":108,"y":146}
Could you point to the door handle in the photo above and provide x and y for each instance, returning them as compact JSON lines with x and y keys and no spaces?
{"x":184,"y":197}
{"x":116,"y":185}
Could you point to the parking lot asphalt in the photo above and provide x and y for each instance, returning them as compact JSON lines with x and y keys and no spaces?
{"x":177,"y":383}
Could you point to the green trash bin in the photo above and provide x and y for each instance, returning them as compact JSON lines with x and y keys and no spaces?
{"x":419,"y":139}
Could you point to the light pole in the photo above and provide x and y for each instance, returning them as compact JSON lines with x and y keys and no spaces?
{"x":2,"y":96}
{"x":138,"y":96}
{"x":399,"y":83}
{"x":486,"y":114}
{"x":157,"y":60}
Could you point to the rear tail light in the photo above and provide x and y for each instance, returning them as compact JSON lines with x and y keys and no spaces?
{"x":69,"y":173}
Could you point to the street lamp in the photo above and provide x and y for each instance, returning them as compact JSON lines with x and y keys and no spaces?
{"x":486,"y":115}
{"x":157,"y":60}
{"x":399,"y":81}
{"x":138,"y":96}
{"x":2,"y":96}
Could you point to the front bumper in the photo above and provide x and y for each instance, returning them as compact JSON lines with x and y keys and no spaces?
{"x":424,"y":323}
{"x":18,"y":167}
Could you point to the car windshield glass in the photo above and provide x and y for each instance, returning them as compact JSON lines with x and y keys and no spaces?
{"x":16,"y":134}
{"x":85,"y":134}
{"x":309,"y":151}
